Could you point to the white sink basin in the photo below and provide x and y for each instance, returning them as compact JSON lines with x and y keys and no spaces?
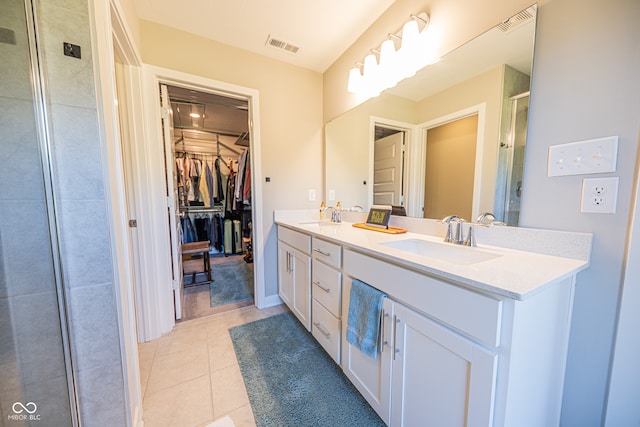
{"x":455,"y":254}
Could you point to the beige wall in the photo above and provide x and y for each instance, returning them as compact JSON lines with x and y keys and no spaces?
{"x":349,"y":151}
{"x":454,"y":22}
{"x":483,"y":89}
{"x":290,"y":117}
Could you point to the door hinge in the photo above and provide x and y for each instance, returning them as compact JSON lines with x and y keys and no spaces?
{"x":133,"y":223}
{"x":164,"y":111}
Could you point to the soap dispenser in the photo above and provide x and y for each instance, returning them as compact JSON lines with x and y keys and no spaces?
{"x":322,"y":208}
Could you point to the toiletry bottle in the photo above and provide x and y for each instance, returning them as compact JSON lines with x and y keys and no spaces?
{"x":322,"y":206}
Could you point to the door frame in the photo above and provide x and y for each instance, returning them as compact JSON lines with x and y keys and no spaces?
{"x":418,"y":152}
{"x":153,"y":77}
{"x":110,"y":32}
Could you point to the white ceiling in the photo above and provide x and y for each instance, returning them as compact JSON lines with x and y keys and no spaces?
{"x":322,"y":29}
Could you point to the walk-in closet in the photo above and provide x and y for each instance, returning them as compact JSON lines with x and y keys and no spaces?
{"x":211,"y":163}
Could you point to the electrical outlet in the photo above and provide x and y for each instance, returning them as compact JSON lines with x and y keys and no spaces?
{"x":312,"y":195}
{"x":332,"y":195}
{"x":599,"y":195}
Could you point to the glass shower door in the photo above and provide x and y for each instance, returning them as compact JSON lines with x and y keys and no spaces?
{"x":35,"y":386}
{"x":516,"y":170}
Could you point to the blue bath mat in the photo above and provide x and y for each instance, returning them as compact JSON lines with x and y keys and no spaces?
{"x":232,"y":282}
{"x":291,"y":381}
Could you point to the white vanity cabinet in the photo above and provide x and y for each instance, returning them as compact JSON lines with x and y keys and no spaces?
{"x":458,"y":356}
{"x":294,"y":273}
{"x":470,"y":345}
{"x":326,"y":285}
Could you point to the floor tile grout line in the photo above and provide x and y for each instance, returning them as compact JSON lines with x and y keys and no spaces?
{"x":153,"y":360}
{"x":213,"y":409}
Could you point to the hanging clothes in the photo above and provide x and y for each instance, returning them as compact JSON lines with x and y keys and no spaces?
{"x":203,"y":188}
{"x":240,"y":176}
{"x":219,"y":190}
{"x":188,"y":230}
{"x":210,"y":184}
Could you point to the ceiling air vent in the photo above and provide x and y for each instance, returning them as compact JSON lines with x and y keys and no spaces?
{"x":282,"y":45}
{"x":515,"y":21}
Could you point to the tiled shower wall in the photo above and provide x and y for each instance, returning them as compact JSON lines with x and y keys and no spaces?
{"x":31,"y":358}
{"x":82,"y":212}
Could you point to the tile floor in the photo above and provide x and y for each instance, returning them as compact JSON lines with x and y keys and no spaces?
{"x":190,"y":377}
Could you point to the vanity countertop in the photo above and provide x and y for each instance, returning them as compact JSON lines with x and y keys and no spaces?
{"x":508,"y":272}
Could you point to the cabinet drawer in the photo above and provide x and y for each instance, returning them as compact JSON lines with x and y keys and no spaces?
{"x":326,"y":330}
{"x":326,"y":286}
{"x":293,"y":238}
{"x":329,"y":253}
{"x":473,"y":313}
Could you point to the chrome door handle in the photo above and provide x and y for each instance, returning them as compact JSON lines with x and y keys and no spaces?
{"x":327,"y":290}
{"x":385,"y":315}
{"x":321,"y":329}
{"x":395,"y":338}
{"x":321,"y":252}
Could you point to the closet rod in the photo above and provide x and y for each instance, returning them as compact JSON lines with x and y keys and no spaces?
{"x":195,"y":210}
{"x":184,"y":140}
{"x":202,"y":153}
{"x":210,"y":132}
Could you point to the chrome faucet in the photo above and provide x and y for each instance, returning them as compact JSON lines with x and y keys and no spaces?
{"x":486,"y":218}
{"x":449,"y":237}
{"x":335,"y":213}
{"x":458,"y":239}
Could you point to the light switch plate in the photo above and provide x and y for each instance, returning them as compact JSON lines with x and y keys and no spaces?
{"x":583,"y":157}
{"x":599,"y":195}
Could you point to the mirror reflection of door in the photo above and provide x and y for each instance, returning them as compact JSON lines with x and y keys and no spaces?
{"x":450,"y":168}
{"x":388,"y":165}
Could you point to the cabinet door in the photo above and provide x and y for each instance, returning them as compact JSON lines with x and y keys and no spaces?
{"x":300,"y":302}
{"x":439,"y":378}
{"x":372,"y":377}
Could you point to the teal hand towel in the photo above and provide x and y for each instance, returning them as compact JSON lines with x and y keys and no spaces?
{"x":363,"y":324}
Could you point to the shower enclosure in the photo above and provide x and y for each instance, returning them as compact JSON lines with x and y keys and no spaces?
{"x":36,"y":384}
{"x":511,"y":161}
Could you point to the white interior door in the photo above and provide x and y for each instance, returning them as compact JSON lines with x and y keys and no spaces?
{"x":173,"y":211}
{"x":388,"y":159}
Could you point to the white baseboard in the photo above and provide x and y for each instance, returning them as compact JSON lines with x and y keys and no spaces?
{"x":271,"y":300}
{"x":137,"y":417}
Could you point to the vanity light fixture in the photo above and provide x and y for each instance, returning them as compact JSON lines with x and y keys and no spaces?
{"x":392,"y":65}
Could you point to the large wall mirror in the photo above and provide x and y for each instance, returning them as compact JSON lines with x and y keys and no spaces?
{"x":449,"y":140}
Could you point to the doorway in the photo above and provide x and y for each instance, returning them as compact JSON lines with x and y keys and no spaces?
{"x":388,"y":166}
{"x":208,"y":164}
{"x":389,"y":142}
{"x":450,"y":168}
